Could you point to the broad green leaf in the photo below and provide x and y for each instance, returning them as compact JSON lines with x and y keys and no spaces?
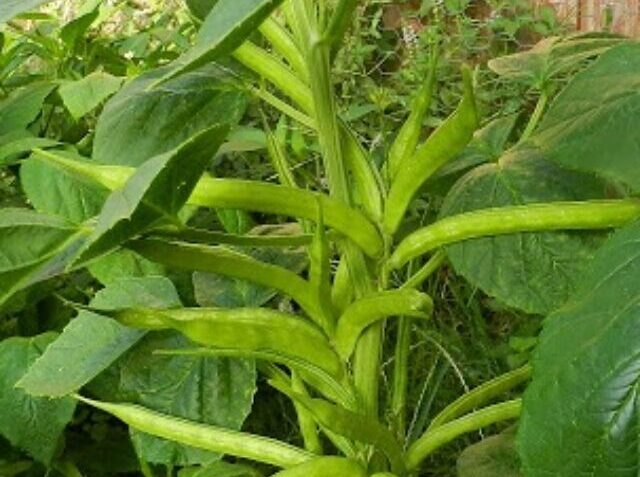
{"x":226,"y":27}
{"x":534,"y":272}
{"x":47,"y":237}
{"x":581,"y":411}
{"x":213,"y":290}
{"x":123,"y":264}
{"x":592,"y":124}
{"x":12,"y":8}
{"x":208,"y":390}
{"x":12,"y":149}
{"x":91,"y":343}
{"x":23,"y":106}
{"x":141,"y":122}
{"x":33,"y":424}
{"x":493,"y":456}
{"x":201,"y":8}
{"x":51,"y":191}
{"x":76,"y":28}
{"x":158,"y":189}
{"x":552,"y":56}
{"x":83,"y":96}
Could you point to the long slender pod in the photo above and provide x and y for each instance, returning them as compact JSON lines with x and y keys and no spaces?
{"x":481,"y":395}
{"x":587,"y":215}
{"x":202,"y":436}
{"x":444,"y":144}
{"x":432,"y":440}
{"x":243,"y":194}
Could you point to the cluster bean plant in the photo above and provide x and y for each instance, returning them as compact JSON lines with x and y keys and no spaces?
{"x":195,"y":301}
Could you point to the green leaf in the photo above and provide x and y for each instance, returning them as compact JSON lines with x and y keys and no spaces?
{"x":33,"y":424}
{"x":226,"y":27}
{"x":552,"y":56}
{"x":23,"y":106}
{"x":139,"y":122}
{"x":535,"y":272}
{"x":77,"y":28}
{"x":51,"y":191}
{"x":11,"y":148}
{"x":201,"y":8}
{"x":159,"y":188}
{"x":91,"y":343}
{"x":12,"y":8}
{"x":581,"y":411}
{"x":209,"y":390}
{"x":83,"y":96}
{"x":48,"y":237}
{"x":598,"y":132}
{"x":123,"y":264}
{"x":493,"y":456}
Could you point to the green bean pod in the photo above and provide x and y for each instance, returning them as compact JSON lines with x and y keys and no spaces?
{"x":269,"y":67}
{"x":355,"y":426}
{"x":250,"y":329}
{"x":432,"y":440}
{"x":245,"y":195}
{"x":368,"y":310}
{"x":202,"y":436}
{"x":342,"y":292}
{"x":284,"y":44}
{"x":408,"y":137}
{"x":587,"y":215}
{"x":320,"y":272}
{"x":481,"y":395}
{"x":224,"y":261}
{"x":367,"y":190}
{"x":210,"y":237}
{"x":444,"y":144}
{"x":325,"y":467}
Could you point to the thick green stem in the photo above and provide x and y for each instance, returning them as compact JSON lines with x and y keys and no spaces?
{"x":432,"y":440}
{"x":367,"y":357}
{"x":401,"y":377}
{"x":597,"y":214}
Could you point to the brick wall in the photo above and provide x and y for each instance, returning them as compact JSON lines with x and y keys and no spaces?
{"x":619,"y":16}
